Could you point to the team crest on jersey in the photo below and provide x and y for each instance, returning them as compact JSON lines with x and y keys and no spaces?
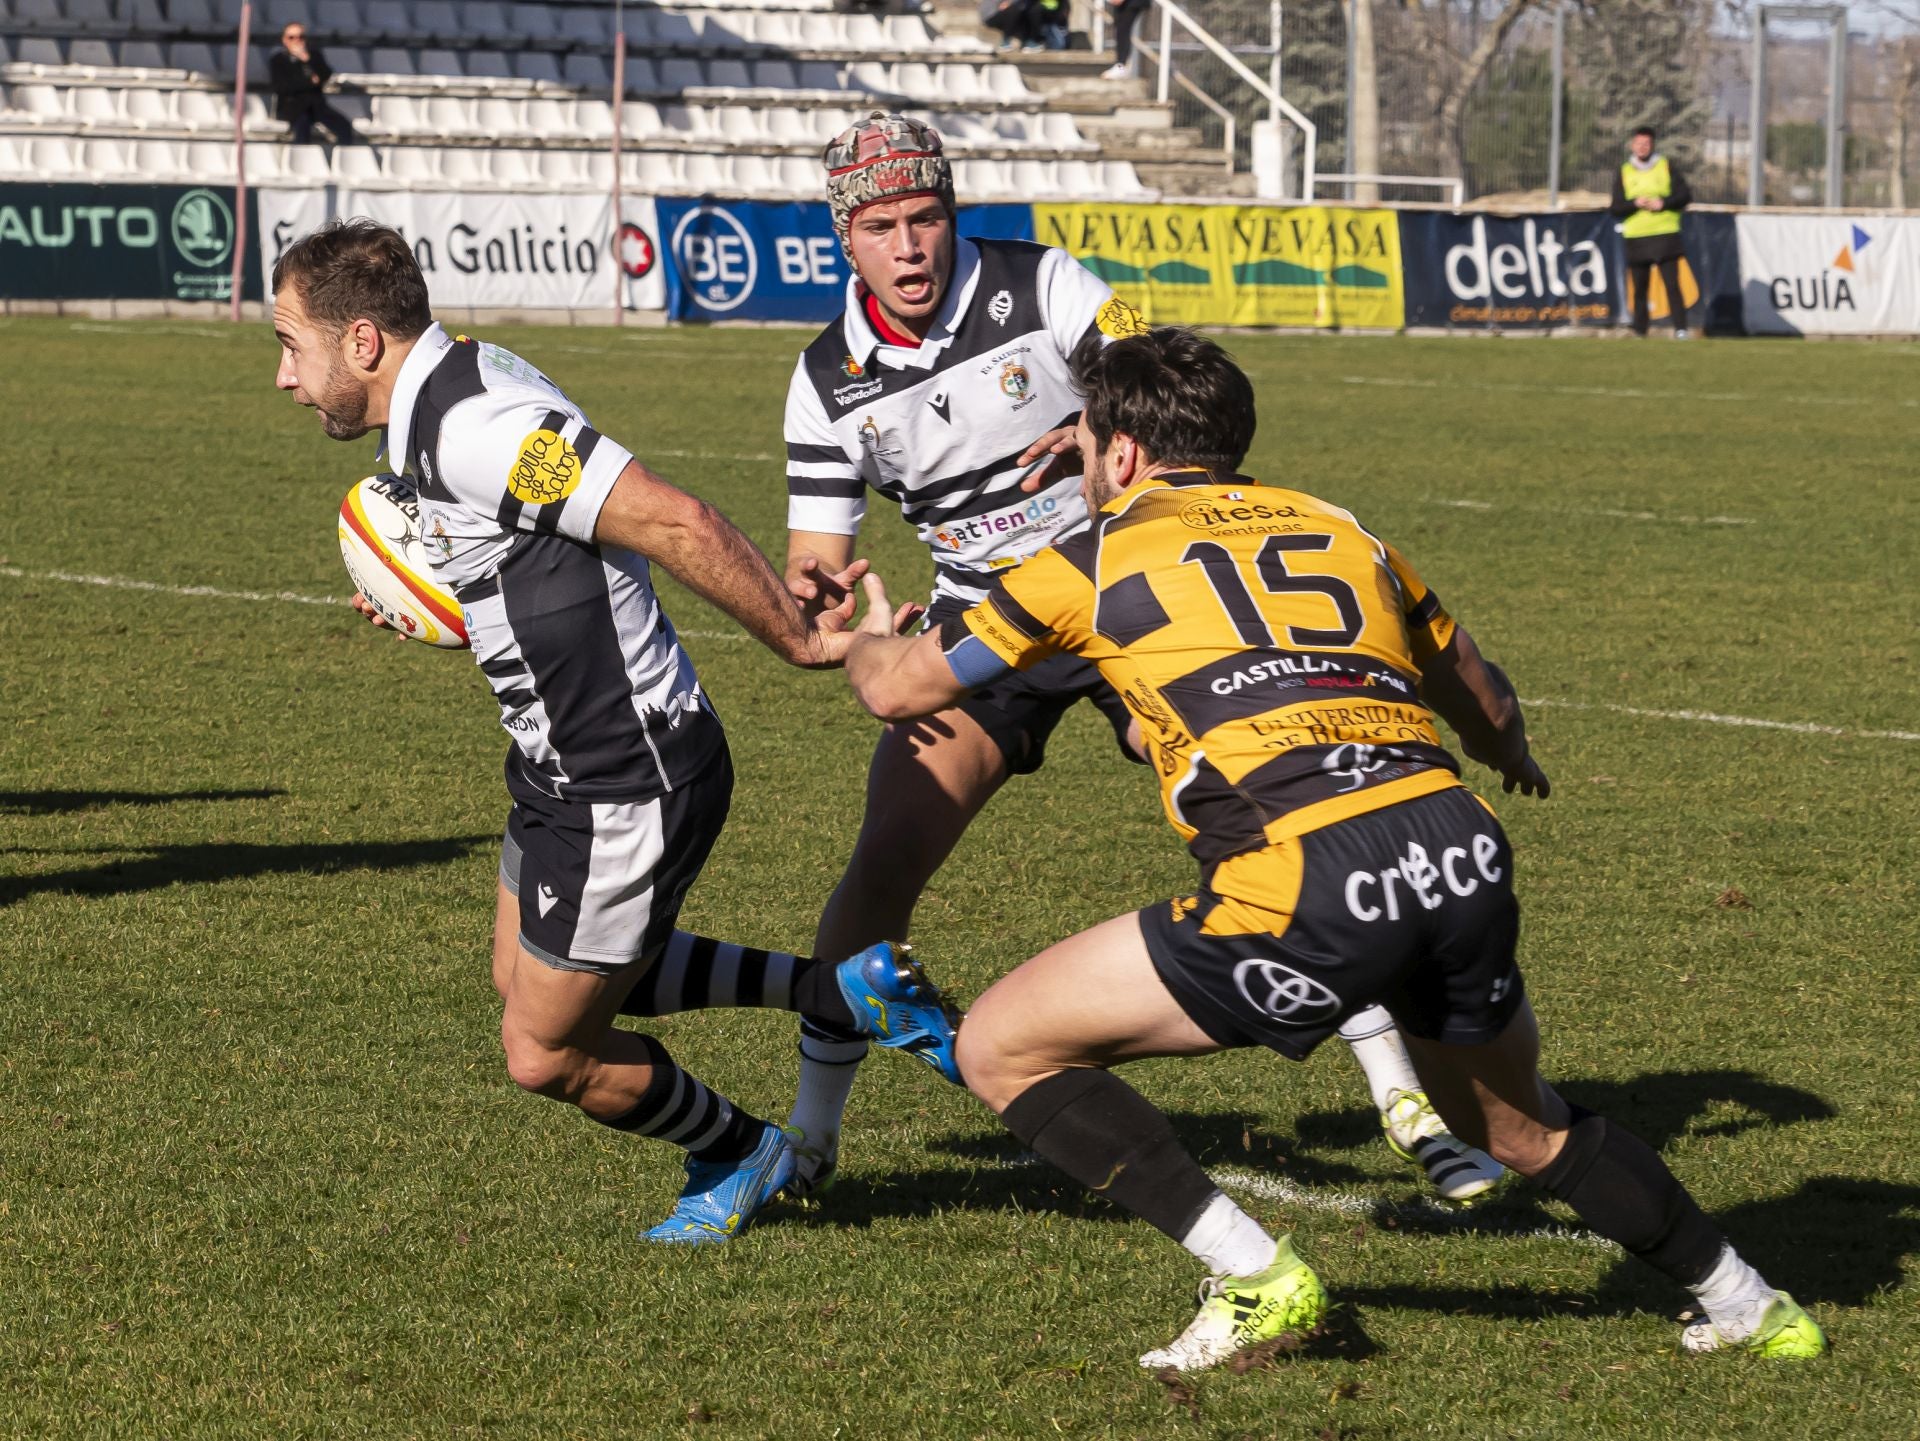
{"x":440,"y":541}
{"x":852,"y":368}
{"x":1000,"y":308}
{"x":1014,"y":382}
{"x":1118,"y":320}
{"x":870,"y":439}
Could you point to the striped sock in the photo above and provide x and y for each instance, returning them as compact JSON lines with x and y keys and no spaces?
{"x":678,"y":1109}
{"x":829,"y":1059}
{"x":698,"y":973}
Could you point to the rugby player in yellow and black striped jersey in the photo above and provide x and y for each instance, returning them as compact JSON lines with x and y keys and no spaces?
{"x":1286,"y":668}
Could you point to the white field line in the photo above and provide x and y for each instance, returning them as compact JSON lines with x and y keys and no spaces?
{"x":1617,"y":392}
{"x":208,"y":592}
{"x":1281,"y":1191}
{"x":118,"y":582}
{"x":1607,"y":513}
{"x":1707,"y":717}
{"x":711,"y":454}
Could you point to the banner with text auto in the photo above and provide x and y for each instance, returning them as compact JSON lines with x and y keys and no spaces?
{"x":1829,"y":274}
{"x":1239,"y":264}
{"x":119,"y":242}
{"x":497,"y":251}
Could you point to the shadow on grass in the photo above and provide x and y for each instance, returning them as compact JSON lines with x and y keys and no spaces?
{"x":170,"y":865}
{"x":53,"y":803}
{"x":1658,"y":1107}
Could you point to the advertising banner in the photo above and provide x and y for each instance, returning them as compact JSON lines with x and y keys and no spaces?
{"x":1239,"y":264}
{"x":1829,"y":275}
{"x":1522,"y":272}
{"x":498,"y":251}
{"x":760,"y":260}
{"x":120,"y":242}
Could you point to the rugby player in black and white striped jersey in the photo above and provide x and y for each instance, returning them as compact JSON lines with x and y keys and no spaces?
{"x":546,"y":530}
{"x":945,"y":379}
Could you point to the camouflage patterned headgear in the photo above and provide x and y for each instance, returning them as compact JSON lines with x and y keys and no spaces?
{"x":883,"y":157}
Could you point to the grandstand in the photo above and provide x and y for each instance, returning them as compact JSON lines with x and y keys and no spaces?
{"x":722,"y":98}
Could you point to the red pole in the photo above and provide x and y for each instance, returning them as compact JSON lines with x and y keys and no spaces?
{"x":619,"y":225}
{"x":240,"y":160}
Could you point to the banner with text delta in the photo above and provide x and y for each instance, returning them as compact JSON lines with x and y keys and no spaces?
{"x":120,"y":242}
{"x":1829,"y":274}
{"x":766,"y":260}
{"x":1308,"y":267}
{"x":1512,"y":272}
{"x":494,"y":251}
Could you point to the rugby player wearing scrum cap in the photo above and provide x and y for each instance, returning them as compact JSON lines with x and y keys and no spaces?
{"x":944,"y":381}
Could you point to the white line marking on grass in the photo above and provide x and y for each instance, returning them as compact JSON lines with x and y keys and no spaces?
{"x":1707,"y":717}
{"x":208,"y":592}
{"x":713,"y":454}
{"x":118,"y":582}
{"x":1617,"y":392}
{"x":129,"y":327}
{"x":1460,"y":503}
{"x":1349,"y":1203}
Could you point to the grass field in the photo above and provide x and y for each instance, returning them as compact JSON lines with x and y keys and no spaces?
{"x":262,"y":1172}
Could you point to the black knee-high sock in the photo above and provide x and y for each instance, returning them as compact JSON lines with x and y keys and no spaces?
{"x":678,"y":1109}
{"x":1111,"y":1139}
{"x":698,"y":973}
{"x":1621,"y":1188}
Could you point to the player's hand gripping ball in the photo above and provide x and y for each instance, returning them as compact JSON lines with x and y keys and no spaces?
{"x":380,"y":542}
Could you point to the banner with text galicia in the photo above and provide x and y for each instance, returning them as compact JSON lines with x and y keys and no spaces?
{"x":1499,"y":272}
{"x":1238,"y":264}
{"x":1829,"y":274}
{"x":761,"y":260}
{"x":119,"y":242}
{"x":513,"y":252}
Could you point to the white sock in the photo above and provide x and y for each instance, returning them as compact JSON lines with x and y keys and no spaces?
{"x":827,"y":1071}
{"x":1734,"y":1296}
{"x":1378,"y":1049}
{"x":1229,"y":1241}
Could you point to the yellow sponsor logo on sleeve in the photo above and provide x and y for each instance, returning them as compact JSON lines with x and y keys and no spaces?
{"x":1119,"y":320}
{"x":546,"y":470}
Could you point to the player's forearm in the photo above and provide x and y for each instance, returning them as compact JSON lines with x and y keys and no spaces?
{"x":1476,"y":699}
{"x":901,"y":677}
{"x":831,"y":553}
{"x":709,"y":555}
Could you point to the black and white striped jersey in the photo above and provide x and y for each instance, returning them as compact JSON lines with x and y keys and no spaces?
{"x":938,"y":428}
{"x":600,"y":700}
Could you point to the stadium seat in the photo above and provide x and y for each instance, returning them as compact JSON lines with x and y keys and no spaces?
{"x":39,"y":50}
{"x":96,"y":107}
{"x":94,"y":15}
{"x":191,"y":15}
{"x":592,"y":119}
{"x":650,"y":170}
{"x":95,"y":54}
{"x":358,"y":165}
{"x":387,"y":22}
{"x":42,"y":105}
{"x":775,"y":75}
{"x":487,"y":20}
{"x":144,"y":17}
{"x":641,"y":119}
{"x":590,"y":72}
{"x":491,"y":64}
{"x":439,"y":117}
{"x":584,"y":29}
{"x":466,"y":167}
{"x":13,"y":163}
{"x":542,"y":118}
{"x":442,"y":64}
{"x":494,"y":116}
{"x":512,"y":169}
{"x":41,"y":14}
{"x":142,"y":55}
{"x":727,"y":76}
{"x":347,"y":59}
{"x":150,"y":109}
{"x":335,"y":22}
{"x":538,"y":67}
{"x":192,"y":57}
{"x":390,"y":60}
{"x":414,"y":164}
{"x":439,"y":21}
{"x":532,"y":24}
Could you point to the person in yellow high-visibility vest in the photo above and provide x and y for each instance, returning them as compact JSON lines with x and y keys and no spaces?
{"x":1649,"y":192}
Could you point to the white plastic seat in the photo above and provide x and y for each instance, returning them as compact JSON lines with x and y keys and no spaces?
{"x":688,"y":122}
{"x":496,"y":117}
{"x":797,"y":176}
{"x":592,"y":119}
{"x":513,"y":169}
{"x":358,"y":165}
{"x":460,"y":166}
{"x":156,"y":109}
{"x":862,"y":32}
{"x":640,"y":119}
{"x":54,"y":157}
{"x":414,"y":165}
{"x":203,"y":110}
{"x":750,"y":174}
{"x":651,"y":170}
{"x":46,"y":104}
{"x":599,"y":169}
{"x":707,"y":174}
{"x":562,"y":169}
{"x":13,"y":163}
{"x":1004,"y":82}
{"x":545,"y":118}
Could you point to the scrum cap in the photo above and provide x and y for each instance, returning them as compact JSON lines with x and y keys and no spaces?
{"x":883,"y":157}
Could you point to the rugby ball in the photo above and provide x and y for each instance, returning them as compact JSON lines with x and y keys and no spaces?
{"x":380,"y":542}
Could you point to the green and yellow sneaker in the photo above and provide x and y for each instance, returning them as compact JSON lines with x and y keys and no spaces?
{"x":1786,"y":1333}
{"x":1241,"y":1311}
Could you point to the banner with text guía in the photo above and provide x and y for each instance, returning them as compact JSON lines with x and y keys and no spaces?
{"x":1829,"y":274}
{"x":1239,"y":264}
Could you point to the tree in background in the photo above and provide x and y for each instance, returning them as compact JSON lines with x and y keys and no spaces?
{"x":1639,"y":63}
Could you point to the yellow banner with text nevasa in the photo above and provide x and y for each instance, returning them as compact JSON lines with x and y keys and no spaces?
{"x":1239,"y":264}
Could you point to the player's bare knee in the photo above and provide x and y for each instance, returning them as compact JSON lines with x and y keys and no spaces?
{"x":554,"y":1072}
{"x":1526,"y":1151}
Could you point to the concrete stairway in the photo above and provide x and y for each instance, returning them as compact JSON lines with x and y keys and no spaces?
{"x":1121,"y":116}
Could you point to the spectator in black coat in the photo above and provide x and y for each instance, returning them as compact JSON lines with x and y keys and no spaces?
{"x":299,"y":73}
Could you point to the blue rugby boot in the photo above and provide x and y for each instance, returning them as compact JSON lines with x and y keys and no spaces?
{"x":721,"y":1198}
{"x":895,"y":1004}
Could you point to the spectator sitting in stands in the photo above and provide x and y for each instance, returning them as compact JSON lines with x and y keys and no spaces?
{"x":299,"y":73}
{"x":1030,"y":24}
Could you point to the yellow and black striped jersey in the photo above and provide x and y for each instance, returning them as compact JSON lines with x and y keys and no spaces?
{"x":1269,"y":645}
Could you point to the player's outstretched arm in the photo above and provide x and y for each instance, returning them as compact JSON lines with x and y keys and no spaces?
{"x":707,"y":553}
{"x":1473,"y":695}
{"x":897,"y":677}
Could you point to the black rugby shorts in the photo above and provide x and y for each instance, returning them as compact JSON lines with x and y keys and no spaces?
{"x":601,"y":883}
{"x":1410,"y":907}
